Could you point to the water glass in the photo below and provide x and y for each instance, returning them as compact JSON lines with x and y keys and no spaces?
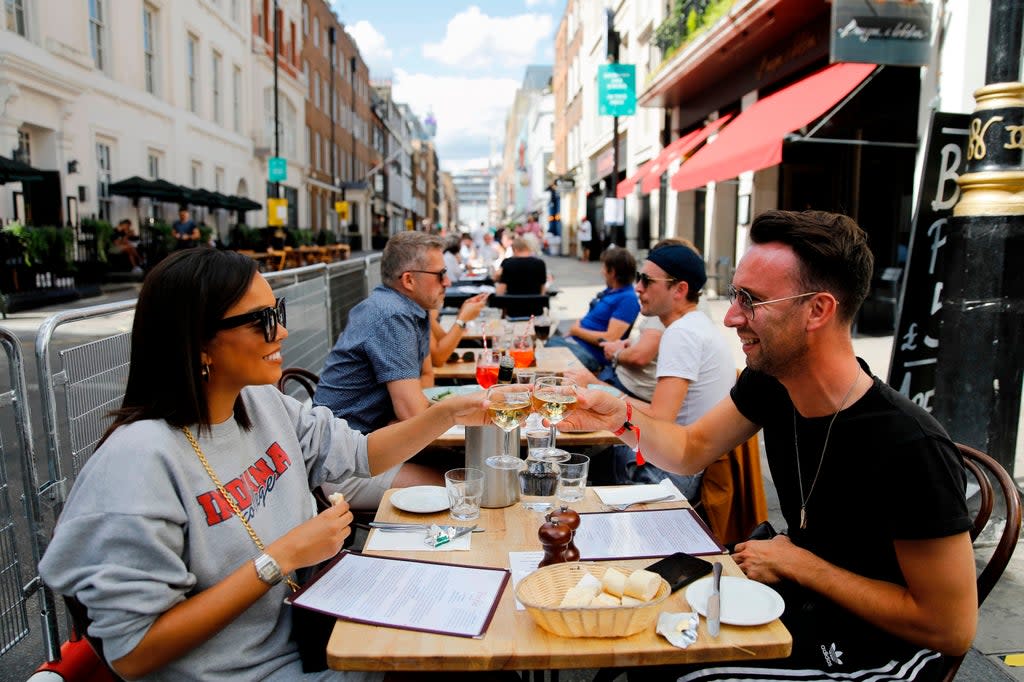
{"x":538,"y":482}
{"x":465,"y":490}
{"x":525,"y":376}
{"x":539,"y":439}
{"x":572,"y":478}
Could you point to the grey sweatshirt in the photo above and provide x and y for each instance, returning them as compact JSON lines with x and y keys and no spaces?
{"x":145,"y":528}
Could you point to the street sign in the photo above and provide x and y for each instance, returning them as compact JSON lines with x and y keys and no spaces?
{"x":277,"y":169}
{"x":341,"y":207}
{"x":616,"y":89}
{"x":277,"y":212}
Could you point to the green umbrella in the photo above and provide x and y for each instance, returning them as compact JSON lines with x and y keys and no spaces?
{"x":16,"y":171}
{"x":246,"y":204}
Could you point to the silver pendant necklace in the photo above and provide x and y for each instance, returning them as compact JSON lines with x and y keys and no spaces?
{"x":824,"y":448}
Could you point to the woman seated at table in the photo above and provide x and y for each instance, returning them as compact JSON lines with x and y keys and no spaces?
{"x":149,"y":540}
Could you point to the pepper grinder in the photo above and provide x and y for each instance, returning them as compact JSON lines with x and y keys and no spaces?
{"x":554,"y":536}
{"x":571,"y":519}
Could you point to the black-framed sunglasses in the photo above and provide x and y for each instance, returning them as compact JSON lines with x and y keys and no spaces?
{"x":267,"y":318}
{"x":645,"y":279}
{"x":440,"y":273}
{"x":748,"y":303}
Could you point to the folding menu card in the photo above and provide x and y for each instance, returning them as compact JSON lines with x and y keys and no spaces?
{"x":447,"y":599}
{"x":644,"y":533}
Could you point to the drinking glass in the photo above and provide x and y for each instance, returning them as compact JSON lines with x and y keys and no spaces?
{"x":542,"y":327}
{"x":553,"y":398}
{"x":522,"y":350}
{"x":538,"y":478}
{"x":487,"y":362}
{"x":572,"y":477}
{"x":525,"y":376}
{"x":465,"y":492}
{"x":508,"y":409}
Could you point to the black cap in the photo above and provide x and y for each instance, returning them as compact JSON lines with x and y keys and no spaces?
{"x":681,"y":263}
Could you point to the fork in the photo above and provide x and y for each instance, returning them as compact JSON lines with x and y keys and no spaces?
{"x":624,"y":507}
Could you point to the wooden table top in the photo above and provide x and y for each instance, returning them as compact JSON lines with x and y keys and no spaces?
{"x":564,"y":441}
{"x":513,"y":641}
{"x":547,"y":360}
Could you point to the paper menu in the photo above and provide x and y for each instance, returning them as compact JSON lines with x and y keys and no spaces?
{"x":412,"y":595}
{"x":646,"y":533}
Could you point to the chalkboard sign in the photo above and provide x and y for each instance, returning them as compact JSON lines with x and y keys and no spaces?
{"x":915,"y":347}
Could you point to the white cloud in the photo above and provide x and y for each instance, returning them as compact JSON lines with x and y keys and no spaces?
{"x":470,"y":112}
{"x":373,"y":47}
{"x":475,"y":41}
{"x":535,"y":3}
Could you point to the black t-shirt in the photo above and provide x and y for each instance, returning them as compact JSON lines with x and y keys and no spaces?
{"x":523,"y":275}
{"x":889,"y":473}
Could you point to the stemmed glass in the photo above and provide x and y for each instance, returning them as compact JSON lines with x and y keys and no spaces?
{"x":508,"y":408}
{"x":542,"y":327}
{"x":553,"y":399}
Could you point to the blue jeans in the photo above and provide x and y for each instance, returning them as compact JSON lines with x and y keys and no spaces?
{"x":578,"y":349}
{"x":625,"y":471}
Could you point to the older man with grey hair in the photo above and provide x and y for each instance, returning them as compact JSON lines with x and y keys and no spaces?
{"x":376,"y":371}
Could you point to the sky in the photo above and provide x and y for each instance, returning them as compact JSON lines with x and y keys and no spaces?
{"x":463,"y":61}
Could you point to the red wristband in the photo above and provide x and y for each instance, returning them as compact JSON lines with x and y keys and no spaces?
{"x":628,"y":425}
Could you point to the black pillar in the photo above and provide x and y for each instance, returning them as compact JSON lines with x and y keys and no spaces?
{"x":277,"y":120}
{"x":979,"y":371}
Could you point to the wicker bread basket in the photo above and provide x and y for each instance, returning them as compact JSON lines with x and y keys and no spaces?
{"x":541,"y":593}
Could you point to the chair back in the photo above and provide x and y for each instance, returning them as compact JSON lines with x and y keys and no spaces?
{"x":80,"y":622}
{"x":303,"y":377}
{"x":985,"y":470}
{"x":520,"y":305}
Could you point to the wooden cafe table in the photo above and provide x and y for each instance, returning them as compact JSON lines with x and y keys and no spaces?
{"x":546,"y":359}
{"x":513,"y":641}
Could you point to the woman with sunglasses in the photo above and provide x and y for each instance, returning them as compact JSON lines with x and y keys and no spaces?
{"x":157,"y":536}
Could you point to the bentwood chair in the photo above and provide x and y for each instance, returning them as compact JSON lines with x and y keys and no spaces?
{"x":984,"y":470}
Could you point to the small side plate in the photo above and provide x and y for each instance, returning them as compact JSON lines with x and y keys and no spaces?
{"x":421,"y":499}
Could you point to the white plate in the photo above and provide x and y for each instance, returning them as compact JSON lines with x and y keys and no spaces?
{"x":744,"y":602}
{"x":433,"y":392}
{"x":421,"y":499}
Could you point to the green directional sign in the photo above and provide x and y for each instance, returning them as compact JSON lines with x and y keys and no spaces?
{"x":277,"y":169}
{"x":616,"y":89}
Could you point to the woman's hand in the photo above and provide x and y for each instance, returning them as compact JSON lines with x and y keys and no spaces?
{"x":314,"y":541}
{"x":469,"y":409}
{"x":595,"y":410}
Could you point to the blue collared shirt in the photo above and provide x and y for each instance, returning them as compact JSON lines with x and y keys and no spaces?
{"x":387,"y":338}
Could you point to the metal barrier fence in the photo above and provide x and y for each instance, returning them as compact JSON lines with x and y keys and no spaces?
{"x":82,"y":377}
{"x":14,"y":589}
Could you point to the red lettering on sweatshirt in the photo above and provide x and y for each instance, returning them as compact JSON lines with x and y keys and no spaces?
{"x":250,"y":488}
{"x":280,"y":458}
{"x":216,"y":507}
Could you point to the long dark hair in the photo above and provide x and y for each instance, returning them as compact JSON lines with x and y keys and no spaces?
{"x":181,"y":301}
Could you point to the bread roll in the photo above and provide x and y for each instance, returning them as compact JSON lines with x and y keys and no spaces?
{"x":590,"y":582}
{"x":631,"y":601}
{"x":642,"y":584}
{"x":335,"y":498}
{"x":578,"y":596}
{"x":605,"y":599}
{"x":613,"y":582}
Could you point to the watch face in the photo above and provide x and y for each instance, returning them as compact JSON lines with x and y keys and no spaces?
{"x":267,"y":569}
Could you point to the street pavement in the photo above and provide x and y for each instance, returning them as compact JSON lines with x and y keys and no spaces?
{"x":1001,"y":621}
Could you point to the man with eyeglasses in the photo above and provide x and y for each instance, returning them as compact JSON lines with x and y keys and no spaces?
{"x":377,"y":370}
{"x":877,"y":569}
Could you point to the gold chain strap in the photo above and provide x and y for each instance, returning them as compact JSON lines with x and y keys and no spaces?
{"x":230,"y":499}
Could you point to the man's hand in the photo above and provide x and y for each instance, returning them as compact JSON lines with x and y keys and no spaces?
{"x":471,"y":307}
{"x":768,"y":561}
{"x":595,"y":410}
{"x":612,"y":347}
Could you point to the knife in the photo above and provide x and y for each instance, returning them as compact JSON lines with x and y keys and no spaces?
{"x":386,"y":526}
{"x":715,"y":601}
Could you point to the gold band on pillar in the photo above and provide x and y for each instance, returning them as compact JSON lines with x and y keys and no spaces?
{"x":992,"y":193}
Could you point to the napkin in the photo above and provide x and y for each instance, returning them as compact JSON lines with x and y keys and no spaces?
{"x":413,"y":541}
{"x":624,"y":494}
{"x":457,"y":430}
{"x":680,"y":629}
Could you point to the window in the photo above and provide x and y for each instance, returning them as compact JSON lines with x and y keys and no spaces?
{"x":218,"y":179}
{"x":24,"y":151}
{"x":197,"y":174}
{"x":153,"y":162}
{"x":191,"y":53}
{"x":234,"y":10}
{"x":97,"y":32}
{"x":15,"y":11}
{"x":316,"y":31}
{"x":217,"y":61}
{"x":103,"y":179}
{"x":316,"y":89}
{"x":305,"y":19}
{"x":316,"y":152}
{"x":236,"y":99}
{"x":149,"y":47}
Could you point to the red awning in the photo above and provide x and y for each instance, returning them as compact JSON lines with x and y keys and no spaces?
{"x":677,"y":149}
{"x":754,"y":140}
{"x":627,"y":186}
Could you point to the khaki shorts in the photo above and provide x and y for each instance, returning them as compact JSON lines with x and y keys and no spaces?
{"x":364,"y":493}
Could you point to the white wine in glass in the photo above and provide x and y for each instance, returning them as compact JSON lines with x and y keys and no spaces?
{"x":553,"y":399}
{"x":508,"y":409}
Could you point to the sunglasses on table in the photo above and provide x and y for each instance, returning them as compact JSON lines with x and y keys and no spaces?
{"x":266,"y":318}
{"x":440,"y":274}
{"x":466,"y":356}
{"x":748,"y":303}
{"x":645,"y":279}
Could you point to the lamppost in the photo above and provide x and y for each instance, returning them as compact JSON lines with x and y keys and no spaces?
{"x":613,"y":41}
{"x":334,"y":167}
{"x":277,"y":124}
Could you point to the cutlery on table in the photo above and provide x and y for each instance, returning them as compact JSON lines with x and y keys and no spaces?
{"x":715,"y":601}
{"x":624,"y":507}
{"x":385,"y":527}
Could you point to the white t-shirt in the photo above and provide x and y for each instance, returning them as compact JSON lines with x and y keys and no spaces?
{"x":641,"y":380}
{"x":691,"y":348}
{"x":585,"y":233}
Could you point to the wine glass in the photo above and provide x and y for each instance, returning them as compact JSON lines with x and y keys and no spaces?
{"x":508,"y":408}
{"x":542,"y":327}
{"x":487,"y":362}
{"x":553,"y":398}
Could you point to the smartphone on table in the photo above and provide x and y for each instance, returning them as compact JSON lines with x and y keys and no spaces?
{"x":680,"y":569}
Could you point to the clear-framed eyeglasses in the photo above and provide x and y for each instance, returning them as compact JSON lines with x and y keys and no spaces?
{"x":748,"y":303}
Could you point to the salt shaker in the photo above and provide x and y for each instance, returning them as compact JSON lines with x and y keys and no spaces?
{"x":571,"y":519}
{"x":554,"y":536}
